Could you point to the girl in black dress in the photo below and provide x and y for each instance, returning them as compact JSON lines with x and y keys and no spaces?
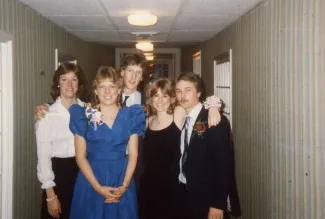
{"x":161,"y":148}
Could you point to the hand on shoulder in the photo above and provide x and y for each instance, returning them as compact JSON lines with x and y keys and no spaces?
{"x":40,"y":112}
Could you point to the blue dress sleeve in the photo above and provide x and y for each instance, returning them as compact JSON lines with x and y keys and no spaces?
{"x":78,"y":120}
{"x":138,"y":119}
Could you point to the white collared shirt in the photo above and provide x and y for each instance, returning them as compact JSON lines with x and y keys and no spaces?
{"x":134,"y":98}
{"x":54,"y":139}
{"x":193,"y":115}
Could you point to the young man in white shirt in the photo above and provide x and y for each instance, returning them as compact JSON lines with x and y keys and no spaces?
{"x":131,"y":71}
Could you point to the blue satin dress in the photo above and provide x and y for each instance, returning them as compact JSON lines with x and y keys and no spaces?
{"x":106,"y":148}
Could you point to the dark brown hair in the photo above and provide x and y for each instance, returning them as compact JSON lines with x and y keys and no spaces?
{"x":191,"y":77}
{"x":133,"y":59}
{"x":105,"y":73}
{"x":66,"y":68}
{"x":166,"y":86}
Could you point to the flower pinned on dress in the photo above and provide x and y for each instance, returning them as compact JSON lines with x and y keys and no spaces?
{"x":200,"y":127}
{"x":94,"y":115}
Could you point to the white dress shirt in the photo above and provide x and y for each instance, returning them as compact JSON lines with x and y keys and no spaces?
{"x":193,"y":115}
{"x":54,"y":139}
{"x":134,"y":98}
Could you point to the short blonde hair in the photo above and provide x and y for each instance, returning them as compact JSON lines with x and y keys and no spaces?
{"x":105,"y":73}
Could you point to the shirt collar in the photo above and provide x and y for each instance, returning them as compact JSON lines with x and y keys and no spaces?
{"x":80,"y":102}
{"x":130,"y":95}
{"x":134,"y":98}
{"x":59,"y":108}
{"x":195,"y":111}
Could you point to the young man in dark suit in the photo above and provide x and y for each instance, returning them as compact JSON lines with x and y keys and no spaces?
{"x":205,"y":162}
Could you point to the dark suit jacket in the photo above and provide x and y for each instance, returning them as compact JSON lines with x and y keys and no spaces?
{"x":209,"y":167}
{"x":233,"y":193}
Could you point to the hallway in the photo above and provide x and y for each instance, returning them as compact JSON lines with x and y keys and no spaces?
{"x":278,"y":72}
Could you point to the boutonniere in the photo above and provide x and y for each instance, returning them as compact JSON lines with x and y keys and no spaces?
{"x":93,"y":114}
{"x":200,"y":127}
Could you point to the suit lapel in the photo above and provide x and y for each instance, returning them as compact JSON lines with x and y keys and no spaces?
{"x":201,"y":117}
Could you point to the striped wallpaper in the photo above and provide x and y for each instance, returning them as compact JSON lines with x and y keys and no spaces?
{"x":278,"y":106}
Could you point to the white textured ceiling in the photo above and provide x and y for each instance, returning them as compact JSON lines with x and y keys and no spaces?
{"x":179,"y":21}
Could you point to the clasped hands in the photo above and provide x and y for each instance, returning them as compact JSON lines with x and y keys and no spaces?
{"x":112,"y":194}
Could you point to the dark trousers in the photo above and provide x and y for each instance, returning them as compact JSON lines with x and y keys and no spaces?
{"x":65,"y":171}
{"x":185,"y":206}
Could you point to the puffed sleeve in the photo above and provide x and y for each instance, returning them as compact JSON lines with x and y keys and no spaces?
{"x":45,"y":173}
{"x":78,"y":121}
{"x":138,"y":120}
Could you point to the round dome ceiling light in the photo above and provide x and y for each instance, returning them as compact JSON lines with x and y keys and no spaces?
{"x":142,"y":19}
{"x":149,"y":58}
{"x":144,"y":46}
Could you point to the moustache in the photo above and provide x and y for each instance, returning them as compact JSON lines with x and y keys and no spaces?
{"x":184,"y":100}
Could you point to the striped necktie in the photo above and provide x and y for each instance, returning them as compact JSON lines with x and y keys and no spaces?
{"x":186,"y":143}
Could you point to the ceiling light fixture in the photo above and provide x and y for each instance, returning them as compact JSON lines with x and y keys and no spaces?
{"x":142,"y":19}
{"x":144,"y":46}
{"x":148,"y":54}
{"x":149,"y":58}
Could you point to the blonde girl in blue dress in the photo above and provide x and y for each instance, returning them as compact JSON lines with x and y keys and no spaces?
{"x":105,"y":188}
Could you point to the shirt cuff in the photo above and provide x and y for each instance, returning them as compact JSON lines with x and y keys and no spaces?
{"x":48,"y":184}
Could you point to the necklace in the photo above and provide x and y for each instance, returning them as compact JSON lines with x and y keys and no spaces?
{"x":156,"y":119}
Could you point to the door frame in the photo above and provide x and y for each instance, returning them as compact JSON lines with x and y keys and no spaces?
{"x":222,"y":58}
{"x":7,"y":144}
{"x":171,"y":68}
{"x":198,"y":56}
{"x":60,"y":57}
